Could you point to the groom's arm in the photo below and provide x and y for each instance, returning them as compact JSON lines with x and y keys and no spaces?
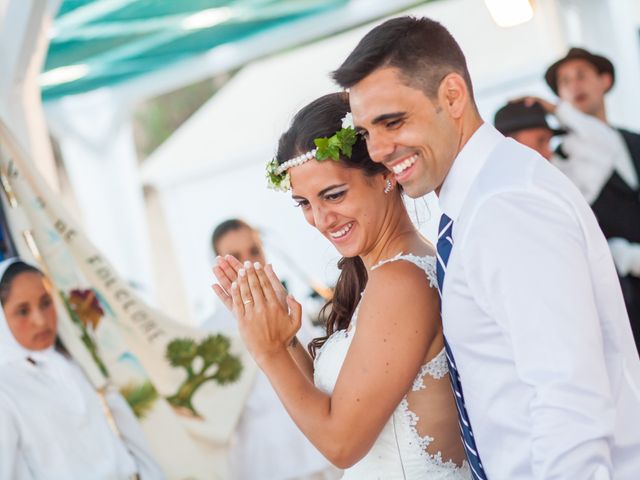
{"x":527,"y":258}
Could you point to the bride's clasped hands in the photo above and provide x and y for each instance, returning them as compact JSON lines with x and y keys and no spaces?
{"x":268,"y":318}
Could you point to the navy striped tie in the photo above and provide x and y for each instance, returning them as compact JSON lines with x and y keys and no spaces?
{"x":445,"y":244}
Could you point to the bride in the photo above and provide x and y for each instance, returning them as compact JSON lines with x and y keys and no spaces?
{"x":373,"y":395}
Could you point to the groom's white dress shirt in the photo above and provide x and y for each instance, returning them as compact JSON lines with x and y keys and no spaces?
{"x":534,"y":315}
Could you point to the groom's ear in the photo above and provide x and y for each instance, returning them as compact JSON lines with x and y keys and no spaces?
{"x":453,"y":95}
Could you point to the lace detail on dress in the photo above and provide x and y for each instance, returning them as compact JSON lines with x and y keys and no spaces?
{"x":437,"y":368}
{"x":424,"y":442}
{"x":427,"y":263}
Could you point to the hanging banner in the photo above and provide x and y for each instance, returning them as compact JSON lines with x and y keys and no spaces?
{"x":187,"y":387}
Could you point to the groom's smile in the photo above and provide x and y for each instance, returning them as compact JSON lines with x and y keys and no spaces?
{"x":402,"y":168}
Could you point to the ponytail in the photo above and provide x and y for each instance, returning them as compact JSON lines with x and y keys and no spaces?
{"x":349,"y":288}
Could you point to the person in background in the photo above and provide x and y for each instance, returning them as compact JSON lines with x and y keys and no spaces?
{"x":608,"y":171}
{"x":255,"y":454}
{"x":53,"y":424}
{"x":526,"y":123}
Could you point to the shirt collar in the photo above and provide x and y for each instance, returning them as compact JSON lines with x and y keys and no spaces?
{"x":465,"y":168}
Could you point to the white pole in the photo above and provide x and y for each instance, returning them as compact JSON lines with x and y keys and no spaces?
{"x":23,"y":44}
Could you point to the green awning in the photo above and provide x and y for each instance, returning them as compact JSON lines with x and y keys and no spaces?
{"x":98,"y":43}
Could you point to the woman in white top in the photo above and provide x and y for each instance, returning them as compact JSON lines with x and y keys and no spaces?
{"x":52,"y":422}
{"x":374,"y":396}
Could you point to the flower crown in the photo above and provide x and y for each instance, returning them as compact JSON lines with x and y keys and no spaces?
{"x":332,"y":147}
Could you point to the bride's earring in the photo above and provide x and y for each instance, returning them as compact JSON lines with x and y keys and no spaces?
{"x":388,"y":187}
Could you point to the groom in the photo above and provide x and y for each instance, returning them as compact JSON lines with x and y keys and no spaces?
{"x":542,"y":359}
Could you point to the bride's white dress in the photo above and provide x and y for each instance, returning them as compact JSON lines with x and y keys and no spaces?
{"x":408,"y":446}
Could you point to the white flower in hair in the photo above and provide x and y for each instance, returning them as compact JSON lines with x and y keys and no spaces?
{"x":347,"y":120}
{"x":285,"y":185}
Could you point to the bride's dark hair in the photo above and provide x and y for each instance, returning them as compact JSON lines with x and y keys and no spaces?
{"x":323,"y":118}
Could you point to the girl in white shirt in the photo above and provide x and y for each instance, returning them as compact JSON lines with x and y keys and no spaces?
{"x":52,"y":422}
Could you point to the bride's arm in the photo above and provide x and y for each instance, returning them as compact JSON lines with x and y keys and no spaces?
{"x":302,"y":358}
{"x":398,"y":322}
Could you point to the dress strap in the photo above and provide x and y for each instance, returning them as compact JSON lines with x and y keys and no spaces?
{"x":426,"y":263}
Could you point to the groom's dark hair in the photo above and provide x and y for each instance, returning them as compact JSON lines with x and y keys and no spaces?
{"x":422,"y":49}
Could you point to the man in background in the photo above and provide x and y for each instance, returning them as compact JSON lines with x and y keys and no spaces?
{"x":267,"y":444}
{"x":526,"y":122}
